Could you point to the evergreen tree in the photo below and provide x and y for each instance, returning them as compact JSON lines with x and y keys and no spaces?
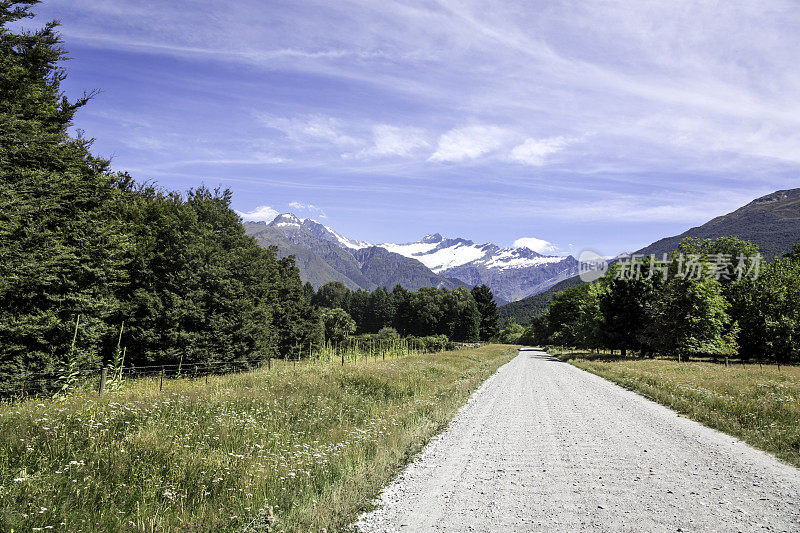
{"x":487,"y":307}
{"x":564,"y":314}
{"x":61,"y":251}
{"x":623,"y":303}
{"x":79,"y":241}
{"x":308,"y":288}
{"x":380,"y":311}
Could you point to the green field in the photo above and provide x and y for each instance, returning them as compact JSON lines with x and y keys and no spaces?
{"x":299,"y":449}
{"x":759,"y":404}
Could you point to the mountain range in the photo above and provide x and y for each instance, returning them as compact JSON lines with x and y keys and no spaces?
{"x":324,"y":255}
{"x":771,"y":221}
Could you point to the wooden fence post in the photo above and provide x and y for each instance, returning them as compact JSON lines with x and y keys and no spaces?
{"x":161,"y":382}
{"x":103,"y":376}
{"x":269,"y":363}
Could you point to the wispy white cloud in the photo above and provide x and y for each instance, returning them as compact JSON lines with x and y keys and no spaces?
{"x":262,"y":213}
{"x":645,"y":209}
{"x":469,"y":142}
{"x":312,"y":129}
{"x":388,"y":140}
{"x":535,"y":151}
{"x":655,"y":105}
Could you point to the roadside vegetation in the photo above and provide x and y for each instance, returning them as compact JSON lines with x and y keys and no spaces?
{"x":297,"y":448}
{"x":757,"y":403}
{"x":712,"y":298}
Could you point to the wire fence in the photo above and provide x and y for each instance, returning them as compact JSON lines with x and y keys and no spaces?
{"x":31,"y":384}
{"x":52,"y":382}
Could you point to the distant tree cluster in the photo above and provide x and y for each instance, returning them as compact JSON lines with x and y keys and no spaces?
{"x":459,"y":314}
{"x":83,"y":249}
{"x":677,"y":314}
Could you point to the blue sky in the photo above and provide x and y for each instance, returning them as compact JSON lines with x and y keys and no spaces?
{"x":604,"y":125}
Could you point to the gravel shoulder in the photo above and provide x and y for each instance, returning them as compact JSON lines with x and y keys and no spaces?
{"x":544,"y":446}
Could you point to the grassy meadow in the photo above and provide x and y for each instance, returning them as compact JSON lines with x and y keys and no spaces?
{"x":297,"y":448}
{"x":759,"y":404}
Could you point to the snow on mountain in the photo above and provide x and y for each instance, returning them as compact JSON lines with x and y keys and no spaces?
{"x":519,"y":258}
{"x":440,"y":254}
{"x":285,"y":219}
{"x":349,"y":243}
{"x":511,"y":273}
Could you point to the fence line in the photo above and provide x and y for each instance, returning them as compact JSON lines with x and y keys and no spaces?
{"x":42,"y":383}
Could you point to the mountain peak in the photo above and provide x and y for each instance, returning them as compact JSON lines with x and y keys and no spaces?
{"x":431,"y":239}
{"x":286,"y":219}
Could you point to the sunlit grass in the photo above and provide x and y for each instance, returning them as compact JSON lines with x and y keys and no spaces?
{"x":299,"y":448}
{"x":759,"y":404}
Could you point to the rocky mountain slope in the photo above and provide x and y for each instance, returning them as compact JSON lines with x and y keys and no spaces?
{"x":324,"y":255}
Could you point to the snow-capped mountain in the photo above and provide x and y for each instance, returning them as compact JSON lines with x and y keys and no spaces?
{"x":323,"y":255}
{"x":440,"y":254}
{"x":511,"y":273}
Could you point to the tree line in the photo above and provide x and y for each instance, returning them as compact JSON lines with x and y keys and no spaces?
{"x":460,"y":314}
{"x":712,"y":297}
{"x":86,"y":253}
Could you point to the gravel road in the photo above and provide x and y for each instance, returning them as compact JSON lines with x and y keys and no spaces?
{"x":543,"y":446}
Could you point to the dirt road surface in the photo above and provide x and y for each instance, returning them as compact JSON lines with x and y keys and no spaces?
{"x":544,"y":446}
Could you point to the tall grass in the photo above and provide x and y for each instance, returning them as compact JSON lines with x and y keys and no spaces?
{"x":295,"y":448}
{"x":354,"y":349}
{"x":759,"y":404}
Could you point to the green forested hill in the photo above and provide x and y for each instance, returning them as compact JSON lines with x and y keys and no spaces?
{"x":522,"y":310}
{"x":772,"y":222}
